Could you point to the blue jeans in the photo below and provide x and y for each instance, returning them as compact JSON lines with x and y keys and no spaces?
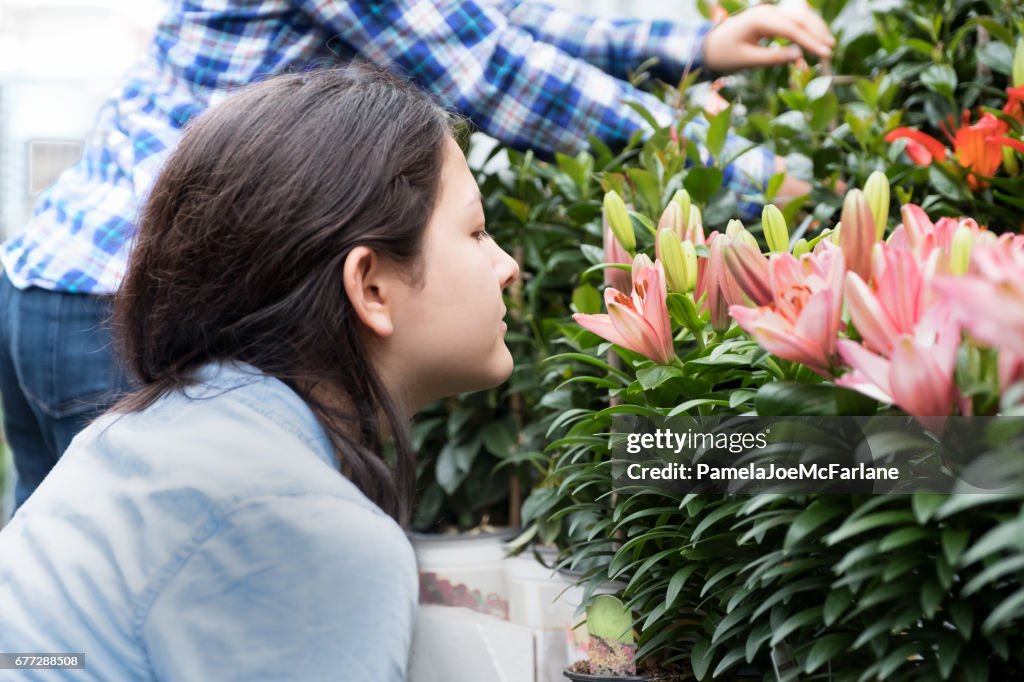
{"x":57,"y":373}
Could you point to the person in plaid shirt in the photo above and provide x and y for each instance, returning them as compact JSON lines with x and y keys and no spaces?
{"x":530,"y":75}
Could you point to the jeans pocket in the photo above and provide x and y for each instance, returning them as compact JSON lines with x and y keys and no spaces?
{"x":67,"y":352}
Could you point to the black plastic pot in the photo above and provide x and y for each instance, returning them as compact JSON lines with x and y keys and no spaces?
{"x":585,"y":677}
{"x":582,"y":677}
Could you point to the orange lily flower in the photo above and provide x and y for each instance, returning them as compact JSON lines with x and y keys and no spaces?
{"x":978,"y":147}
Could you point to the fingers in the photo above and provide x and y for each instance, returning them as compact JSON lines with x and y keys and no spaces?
{"x":772,"y":55}
{"x":792,"y":27}
{"x":734,"y":44}
{"x":814,"y":25}
{"x":797,"y":24}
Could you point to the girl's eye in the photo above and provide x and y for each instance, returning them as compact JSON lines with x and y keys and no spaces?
{"x":482,"y":234}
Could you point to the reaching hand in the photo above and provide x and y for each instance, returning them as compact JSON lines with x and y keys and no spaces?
{"x":735,"y":43}
{"x":792,"y":186}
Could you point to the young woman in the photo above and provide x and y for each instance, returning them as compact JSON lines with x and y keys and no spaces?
{"x":311,"y":269}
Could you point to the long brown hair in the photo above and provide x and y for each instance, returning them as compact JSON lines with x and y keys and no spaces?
{"x":242,"y":240}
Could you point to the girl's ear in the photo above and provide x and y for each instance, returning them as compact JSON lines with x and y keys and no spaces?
{"x":368,"y":285}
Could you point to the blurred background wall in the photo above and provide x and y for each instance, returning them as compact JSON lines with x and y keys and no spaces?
{"x":59,"y":59}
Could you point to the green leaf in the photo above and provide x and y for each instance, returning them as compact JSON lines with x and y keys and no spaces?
{"x":996,"y":56}
{"x":925,"y":504}
{"x":1006,"y":536}
{"x":836,"y":604}
{"x":454,"y":463}
{"x":894,"y":660}
{"x":676,"y":583}
{"x":731,"y":620}
{"x":793,"y":399}
{"x":861,"y":525}
{"x":903,"y":536}
{"x":684,"y":311}
{"x":818,"y":87}
{"x":729,"y":660}
{"x":931,"y":596}
{"x":718,"y":131}
{"x":499,"y":439}
{"x":520,"y":209}
{"x":586,"y":299}
{"x":954,"y":540}
{"x":963,"y":617}
{"x":644,"y":113}
{"x":703,"y":181}
{"x":700,"y":658}
{"x":944,"y":184}
{"x":757,"y":636}
{"x":993,"y":572}
{"x":947,"y":653}
{"x":940,"y":78}
{"x":774,"y":184}
{"x":652,"y":377}
{"x":824,"y":649}
{"x":798,"y":620}
{"x":647,"y":187}
{"x":1011,"y":609}
{"x":818,"y":513}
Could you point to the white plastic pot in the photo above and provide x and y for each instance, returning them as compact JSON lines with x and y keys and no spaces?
{"x":463,"y":571}
{"x":535,"y":592}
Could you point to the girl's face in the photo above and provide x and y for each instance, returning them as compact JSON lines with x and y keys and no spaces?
{"x":449,"y":333}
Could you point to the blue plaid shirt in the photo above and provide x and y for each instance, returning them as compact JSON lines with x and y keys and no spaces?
{"x":531,"y":75}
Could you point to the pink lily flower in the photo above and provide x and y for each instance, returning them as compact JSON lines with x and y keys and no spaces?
{"x":717,"y":284}
{"x":918,"y":374}
{"x":614,"y":253}
{"x":638,"y":321}
{"x":803,"y":320}
{"x":919,"y":234}
{"x":990,"y":297}
{"x":1010,"y":369}
{"x":896,"y":303}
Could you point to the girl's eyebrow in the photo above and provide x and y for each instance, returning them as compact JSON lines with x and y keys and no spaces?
{"x":475,"y":199}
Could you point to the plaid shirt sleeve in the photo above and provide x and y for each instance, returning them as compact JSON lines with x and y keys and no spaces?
{"x":616,"y":46}
{"x":524,"y":91}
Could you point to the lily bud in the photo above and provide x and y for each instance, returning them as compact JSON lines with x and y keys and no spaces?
{"x":801,"y":247}
{"x":985,"y":238}
{"x":916,"y":224}
{"x":1018,"y":64}
{"x":960,"y":250}
{"x":1010,"y":162}
{"x":750,"y":269}
{"x":735,"y":231}
{"x":679,"y":260}
{"x":775,"y":231}
{"x":618,"y":219}
{"x":642,"y":260}
{"x":672,"y":219}
{"x":682,"y":199}
{"x":876,"y":191}
{"x":857,"y":235}
{"x":695,"y":226}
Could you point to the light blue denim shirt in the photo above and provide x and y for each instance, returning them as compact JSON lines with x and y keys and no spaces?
{"x":209,"y":537}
